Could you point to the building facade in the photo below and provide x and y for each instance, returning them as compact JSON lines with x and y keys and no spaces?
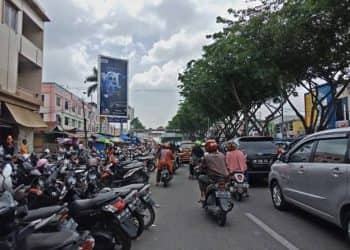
{"x":21,"y":62}
{"x":64,"y":108}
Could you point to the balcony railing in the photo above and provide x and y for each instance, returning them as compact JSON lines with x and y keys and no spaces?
{"x":31,"y":52}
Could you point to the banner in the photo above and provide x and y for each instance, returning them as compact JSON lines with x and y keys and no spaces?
{"x":113,"y":92}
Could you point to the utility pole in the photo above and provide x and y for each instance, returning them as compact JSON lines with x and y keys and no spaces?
{"x":85,"y":129}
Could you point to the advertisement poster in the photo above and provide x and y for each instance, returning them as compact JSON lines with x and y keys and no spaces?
{"x":113,"y":93}
{"x":324,"y":95}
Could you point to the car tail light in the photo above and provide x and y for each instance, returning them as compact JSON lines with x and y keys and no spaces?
{"x":119,"y":205}
{"x":88,"y":244}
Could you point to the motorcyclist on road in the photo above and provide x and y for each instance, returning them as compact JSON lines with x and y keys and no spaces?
{"x":214,"y":165}
{"x":196,"y":155}
{"x":235,"y":159}
{"x":165,"y":158}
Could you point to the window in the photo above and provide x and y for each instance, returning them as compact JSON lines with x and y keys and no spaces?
{"x":79,"y":124}
{"x":66,"y":105}
{"x":66,"y":121}
{"x":58,"y":120}
{"x":303,"y":153}
{"x":331,"y":150}
{"x":58,"y":101}
{"x":73,"y":108}
{"x":73,"y":123}
{"x":10,"y":15}
{"x":42,"y":99}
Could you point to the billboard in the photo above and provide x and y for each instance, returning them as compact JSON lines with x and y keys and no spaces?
{"x":325,"y":95}
{"x":113,"y":91}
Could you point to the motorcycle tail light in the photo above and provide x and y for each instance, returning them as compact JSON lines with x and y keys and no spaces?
{"x":221,"y":186}
{"x":119,"y":205}
{"x":36,"y":191}
{"x":88,"y":244}
{"x":105,"y":175}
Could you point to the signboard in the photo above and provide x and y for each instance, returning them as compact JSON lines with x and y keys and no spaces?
{"x":308,"y":101}
{"x":112,"y":119}
{"x":113,"y":91}
{"x":325,"y":96}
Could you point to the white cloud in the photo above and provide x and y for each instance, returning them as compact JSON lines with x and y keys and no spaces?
{"x":158,"y":37}
{"x":180,"y":46}
{"x":161,"y":77}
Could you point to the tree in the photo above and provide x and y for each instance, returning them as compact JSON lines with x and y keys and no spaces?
{"x":136,"y":124}
{"x":94,"y":79}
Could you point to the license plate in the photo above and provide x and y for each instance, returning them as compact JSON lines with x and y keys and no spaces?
{"x":223,"y":194}
{"x":70,"y":225}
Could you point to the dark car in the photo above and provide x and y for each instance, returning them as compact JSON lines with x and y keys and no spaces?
{"x":261,"y":152}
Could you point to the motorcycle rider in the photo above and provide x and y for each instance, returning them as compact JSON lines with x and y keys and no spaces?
{"x":214,"y":165}
{"x":196,"y":154}
{"x":165,"y":158}
{"x":235,"y":159}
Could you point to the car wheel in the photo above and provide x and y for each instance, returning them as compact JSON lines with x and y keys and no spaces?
{"x":277,"y":197}
{"x":347,"y":225}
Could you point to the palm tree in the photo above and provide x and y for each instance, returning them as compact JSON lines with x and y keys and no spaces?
{"x":92,"y":78}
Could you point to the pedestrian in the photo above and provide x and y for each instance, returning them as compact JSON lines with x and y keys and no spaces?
{"x":235,"y":159}
{"x":9,"y":147}
{"x":24,"y":147}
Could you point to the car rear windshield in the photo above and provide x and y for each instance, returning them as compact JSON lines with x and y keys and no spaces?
{"x":258,"y":146}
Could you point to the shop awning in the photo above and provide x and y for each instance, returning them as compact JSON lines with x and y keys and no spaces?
{"x":26,"y":117}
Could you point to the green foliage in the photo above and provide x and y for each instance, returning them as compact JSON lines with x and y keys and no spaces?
{"x":136,"y":124}
{"x":267,"y":52}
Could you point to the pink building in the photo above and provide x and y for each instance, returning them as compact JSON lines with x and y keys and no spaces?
{"x":64,"y":108}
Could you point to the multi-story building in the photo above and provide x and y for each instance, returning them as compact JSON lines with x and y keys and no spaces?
{"x":21,"y":61}
{"x":64,"y":108}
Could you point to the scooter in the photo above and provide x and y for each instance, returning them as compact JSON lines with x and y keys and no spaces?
{"x":239,"y":186}
{"x":218,"y":201}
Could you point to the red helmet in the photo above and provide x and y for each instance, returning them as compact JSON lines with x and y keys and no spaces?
{"x":211,"y":146}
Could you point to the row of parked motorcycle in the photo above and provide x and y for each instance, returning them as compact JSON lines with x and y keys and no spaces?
{"x":74,"y":201}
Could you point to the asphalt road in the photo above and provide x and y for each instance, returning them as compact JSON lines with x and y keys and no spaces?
{"x":182,"y":224}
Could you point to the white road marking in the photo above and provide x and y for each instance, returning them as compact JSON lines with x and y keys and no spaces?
{"x":271,"y":232}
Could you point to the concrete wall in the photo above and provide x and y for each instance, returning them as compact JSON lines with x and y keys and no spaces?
{"x":26,"y":133}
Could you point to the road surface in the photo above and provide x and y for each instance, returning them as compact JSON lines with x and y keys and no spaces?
{"x":182,"y":224}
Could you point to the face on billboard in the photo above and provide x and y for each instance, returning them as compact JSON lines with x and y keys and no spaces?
{"x":113,"y":92}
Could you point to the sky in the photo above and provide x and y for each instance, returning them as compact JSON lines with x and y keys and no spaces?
{"x":158,"y":37}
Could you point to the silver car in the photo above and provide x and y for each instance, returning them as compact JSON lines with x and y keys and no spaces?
{"x":314,"y":175}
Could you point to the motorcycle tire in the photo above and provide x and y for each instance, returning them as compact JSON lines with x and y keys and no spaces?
{"x":238,"y":197}
{"x":123,"y":241}
{"x":151,"y":167}
{"x":221,"y":219}
{"x":152,"y":215}
{"x":138,"y":221}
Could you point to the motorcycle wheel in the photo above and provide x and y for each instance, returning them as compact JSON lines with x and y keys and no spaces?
{"x":122,"y":240}
{"x":149,"y":215}
{"x":221,"y":219}
{"x":151,"y":167}
{"x":139,"y":223}
{"x":238,"y":196}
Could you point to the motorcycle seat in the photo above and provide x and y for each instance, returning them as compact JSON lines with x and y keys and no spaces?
{"x":145,"y":158}
{"x":42,"y":213}
{"x":44,"y":241}
{"x":127,"y":189}
{"x":85,"y":204}
{"x":133,"y":165}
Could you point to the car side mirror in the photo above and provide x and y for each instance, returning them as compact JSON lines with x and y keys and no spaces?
{"x":283,"y":157}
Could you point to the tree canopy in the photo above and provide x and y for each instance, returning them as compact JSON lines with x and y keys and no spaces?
{"x":267,"y":52}
{"x":136,"y":124}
